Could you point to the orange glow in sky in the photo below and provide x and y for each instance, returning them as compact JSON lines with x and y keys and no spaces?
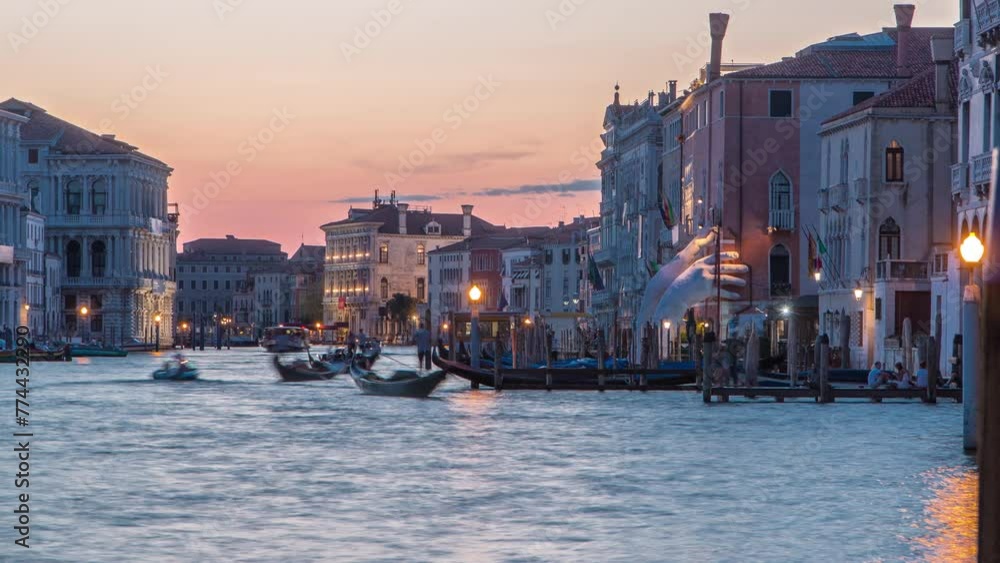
{"x":277,"y":116}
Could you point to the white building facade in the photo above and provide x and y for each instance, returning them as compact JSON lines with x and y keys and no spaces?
{"x":107,"y":217}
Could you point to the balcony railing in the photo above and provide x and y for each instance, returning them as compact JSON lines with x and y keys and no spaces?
{"x":982,"y":168}
{"x":97,"y":221}
{"x":861,"y":190}
{"x":603,"y":256}
{"x":781,"y":289}
{"x":963,"y":37}
{"x":781,"y":220}
{"x":887,"y":270}
{"x":959,"y":178}
{"x":824,"y":200}
{"x":838,"y":197}
{"x":987,"y":16}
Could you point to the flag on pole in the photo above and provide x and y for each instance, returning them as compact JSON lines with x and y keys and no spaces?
{"x":666,"y":211}
{"x":594,"y":274}
{"x":819,"y":243}
{"x":503,"y":301}
{"x":652,"y":268}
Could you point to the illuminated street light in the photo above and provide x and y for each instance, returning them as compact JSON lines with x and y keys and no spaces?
{"x":527,"y":321}
{"x":27,"y":307}
{"x":475,"y":294}
{"x":858,"y":293}
{"x":84,"y":311}
{"x":666,"y":325}
{"x":444,"y":326}
{"x":972,"y":250}
{"x":818,"y":275}
{"x":786,"y":310}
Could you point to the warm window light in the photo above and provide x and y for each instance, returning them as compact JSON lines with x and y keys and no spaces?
{"x":972,"y":249}
{"x":475,"y":294}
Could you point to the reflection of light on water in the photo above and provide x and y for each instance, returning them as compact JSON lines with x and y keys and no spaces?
{"x":951,"y":516}
{"x":83,"y":361}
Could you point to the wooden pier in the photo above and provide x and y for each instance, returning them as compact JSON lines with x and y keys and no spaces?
{"x":780,"y":394}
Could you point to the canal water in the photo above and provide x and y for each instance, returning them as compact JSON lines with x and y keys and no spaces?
{"x":239,"y":467}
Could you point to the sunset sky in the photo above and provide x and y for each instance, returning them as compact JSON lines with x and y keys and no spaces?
{"x":204,"y":76}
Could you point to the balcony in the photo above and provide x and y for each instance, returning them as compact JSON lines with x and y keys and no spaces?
{"x":963,"y":38}
{"x":72,"y":221}
{"x":781,"y":289}
{"x":861,"y":190}
{"x":987,"y":19}
{"x":604,"y":256}
{"x":781,"y":220}
{"x":959,"y":178}
{"x":982,"y":167}
{"x":824,"y":200}
{"x":899,"y":270}
{"x":838,"y":197}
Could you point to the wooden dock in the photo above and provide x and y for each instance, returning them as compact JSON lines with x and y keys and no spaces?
{"x":780,"y":394}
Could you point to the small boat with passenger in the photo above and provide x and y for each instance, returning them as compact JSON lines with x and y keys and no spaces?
{"x":402,"y":383}
{"x":177,"y":368}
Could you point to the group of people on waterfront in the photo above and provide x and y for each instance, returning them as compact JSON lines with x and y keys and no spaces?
{"x":901,"y":378}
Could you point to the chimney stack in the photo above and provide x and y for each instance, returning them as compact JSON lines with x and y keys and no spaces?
{"x":466,"y":221}
{"x":402,"y":207}
{"x":717,"y":24}
{"x":941,"y":52}
{"x":672,"y":88}
{"x":904,"y":21}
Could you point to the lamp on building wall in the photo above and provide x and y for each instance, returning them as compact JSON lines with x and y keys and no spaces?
{"x":972,"y":250}
{"x":858,"y":292}
{"x":475,"y":295}
{"x":818,"y":275}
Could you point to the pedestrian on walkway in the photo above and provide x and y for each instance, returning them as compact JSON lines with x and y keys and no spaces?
{"x":422,"y":338}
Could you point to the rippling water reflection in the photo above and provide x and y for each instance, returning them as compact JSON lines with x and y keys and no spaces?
{"x":240,"y":468}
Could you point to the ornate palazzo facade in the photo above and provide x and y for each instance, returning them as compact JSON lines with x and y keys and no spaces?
{"x":108,"y":220}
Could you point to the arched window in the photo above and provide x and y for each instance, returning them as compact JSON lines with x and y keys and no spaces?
{"x":99,"y":198}
{"x":421,"y":254}
{"x":888,"y":240}
{"x":421,"y":289}
{"x":384,"y":288}
{"x":781,"y":271}
{"x":965,"y":230}
{"x":781,"y":216}
{"x":383,"y":253}
{"x":98,"y":259}
{"x":894,"y":162}
{"x":975,"y":227}
{"x":73,"y":259}
{"x":74,"y":197}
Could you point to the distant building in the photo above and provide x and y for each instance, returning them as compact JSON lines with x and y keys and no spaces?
{"x":15,"y":256}
{"x":107,"y":217}
{"x":305,"y":269}
{"x":212,"y":272}
{"x":379,"y":252}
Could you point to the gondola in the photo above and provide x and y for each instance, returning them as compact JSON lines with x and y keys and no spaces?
{"x":300,"y":370}
{"x":574,"y":379}
{"x":176,"y":371}
{"x":38,"y":355}
{"x":333,"y":363}
{"x":401,"y":384}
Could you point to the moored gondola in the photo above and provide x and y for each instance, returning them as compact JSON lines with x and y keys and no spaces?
{"x":400,"y":384}
{"x":679,"y":378}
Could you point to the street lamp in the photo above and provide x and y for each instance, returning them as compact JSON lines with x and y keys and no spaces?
{"x":818,"y":275}
{"x":666,"y":326}
{"x":475,"y":294}
{"x":157,"y":320}
{"x":858,"y":293}
{"x":972,"y":251}
{"x":83,"y":313}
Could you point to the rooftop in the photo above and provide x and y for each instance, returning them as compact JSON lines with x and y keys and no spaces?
{"x":416,"y":221}
{"x":65,"y":137}
{"x":231,"y":246}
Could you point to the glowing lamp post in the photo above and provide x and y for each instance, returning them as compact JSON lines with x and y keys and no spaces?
{"x":157,"y":320}
{"x":475,"y":295}
{"x":84,"y":311}
{"x":666,"y":327}
{"x":972,"y":251}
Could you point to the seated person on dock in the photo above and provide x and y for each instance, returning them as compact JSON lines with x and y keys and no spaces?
{"x":903,"y":378}
{"x":923,"y":376}
{"x":876,"y":377}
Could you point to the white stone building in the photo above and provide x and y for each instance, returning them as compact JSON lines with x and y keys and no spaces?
{"x":379,"y":252}
{"x":886,"y":217}
{"x":107,"y":217}
{"x":13,"y":247}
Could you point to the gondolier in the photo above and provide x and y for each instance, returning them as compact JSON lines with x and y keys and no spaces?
{"x":422,"y":338}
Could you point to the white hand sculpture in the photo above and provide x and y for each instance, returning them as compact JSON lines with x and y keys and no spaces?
{"x":670,"y":271}
{"x":697,"y":283}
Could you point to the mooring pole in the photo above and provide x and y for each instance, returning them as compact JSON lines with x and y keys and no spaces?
{"x":708,"y":356}
{"x":825,"y":394}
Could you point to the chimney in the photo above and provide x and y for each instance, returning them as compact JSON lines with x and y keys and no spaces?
{"x":717,"y":24}
{"x":402,"y":207}
{"x":904,"y":20}
{"x":672,"y":88}
{"x":617,"y":94}
{"x":651,"y":96}
{"x":466,"y":221}
{"x":941,"y":51}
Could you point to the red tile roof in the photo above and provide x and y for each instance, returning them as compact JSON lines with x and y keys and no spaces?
{"x":65,"y":137}
{"x":853,"y":63}
{"x":388,"y":216}
{"x":916,"y":93}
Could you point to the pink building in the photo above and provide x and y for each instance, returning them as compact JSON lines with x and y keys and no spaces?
{"x":750,"y":151}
